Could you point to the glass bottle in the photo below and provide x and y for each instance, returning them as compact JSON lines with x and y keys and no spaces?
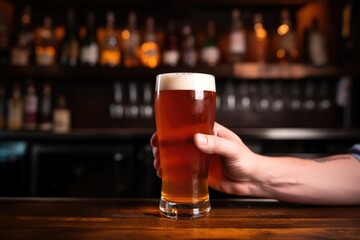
{"x":30,"y":107}
{"x":317,"y":50}
{"x":171,"y":53}
{"x":23,"y":50}
{"x":89,"y":50}
{"x":62,"y":116}
{"x":150,"y":52}
{"x":210,"y":53}
{"x":110,"y":48}
{"x":131,"y":42}
{"x":46,"y":108}
{"x":259,"y":40}
{"x":45,"y":49}
{"x":189,"y":54}
{"x":286,"y":51}
{"x":15,"y":110}
{"x":70,"y":45}
{"x":347,"y":53}
{"x":237,"y":38}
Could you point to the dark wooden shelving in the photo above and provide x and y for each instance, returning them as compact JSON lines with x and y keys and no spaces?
{"x":145,"y":133}
{"x":240,"y":70}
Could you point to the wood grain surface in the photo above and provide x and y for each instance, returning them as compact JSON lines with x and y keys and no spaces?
{"x":140,"y":219}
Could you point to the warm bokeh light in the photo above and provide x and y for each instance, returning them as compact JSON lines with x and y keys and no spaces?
{"x":280,"y":53}
{"x":283,"y":29}
{"x":125,"y":34}
{"x":150,"y":56}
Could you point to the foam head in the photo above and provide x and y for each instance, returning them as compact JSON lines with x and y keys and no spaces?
{"x":185,"y":81}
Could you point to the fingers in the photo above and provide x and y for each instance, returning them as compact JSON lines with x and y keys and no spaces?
{"x":216,"y":145}
{"x":154,"y":140}
{"x":223,"y":132}
{"x":155,"y":149}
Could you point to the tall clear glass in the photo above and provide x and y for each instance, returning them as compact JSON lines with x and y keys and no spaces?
{"x":185,"y":104}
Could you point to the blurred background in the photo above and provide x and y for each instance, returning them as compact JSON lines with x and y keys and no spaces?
{"x":77,"y":83}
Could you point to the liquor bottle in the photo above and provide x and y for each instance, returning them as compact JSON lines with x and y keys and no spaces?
{"x":210,"y":53}
{"x":6,"y":14}
{"x":259,"y":40}
{"x":2,"y":107}
{"x":30,"y":108}
{"x":89,"y":51}
{"x":149,"y":50}
{"x":317,"y":49}
{"x":22,"y":52}
{"x":146,"y":108}
{"x":286,"y":50}
{"x":237,"y":38}
{"x":62,"y":116}
{"x":15,"y":110}
{"x":110,"y":48}
{"x":132,"y":109}
{"x":347,"y":53}
{"x":131,"y":42}
{"x":70,"y":45}
{"x":171,"y":53}
{"x":45,"y":50}
{"x":117,"y":108}
{"x":189,"y":54}
{"x":46,"y":108}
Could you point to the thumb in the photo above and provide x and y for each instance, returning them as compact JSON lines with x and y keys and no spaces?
{"x":216,"y":145}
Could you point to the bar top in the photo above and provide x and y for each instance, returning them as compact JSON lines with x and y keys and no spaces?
{"x":30,"y":218}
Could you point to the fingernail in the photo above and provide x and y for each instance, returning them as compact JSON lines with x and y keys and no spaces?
{"x":202,"y":139}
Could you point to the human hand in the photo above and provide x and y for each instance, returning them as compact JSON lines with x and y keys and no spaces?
{"x":232,"y":164}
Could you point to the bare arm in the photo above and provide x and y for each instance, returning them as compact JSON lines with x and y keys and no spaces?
{"x":331,"y":180}
{"x":334,"y":180}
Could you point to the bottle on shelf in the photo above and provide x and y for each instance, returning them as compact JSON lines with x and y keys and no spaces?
{"x":131,"y":42}
{"x":149,"y":50}
{"x":62,"y":116}
{"x":259,"y":40}
{"x":69,"y":54}
{"x":316,"y":43}
{"x":110,"y":47}
{"x":347,"y":42}
{"x":30,"y":107}
{"x":89,"y":49}
{"x":210,"y":53}
{"x":22,"y":51}
{"x":171,"y":54}
{"x":45,"y":48}
{"x":146,"y":108}
{"x":286,"y":51}
{"x":189,"y":54}
{"x":15,"y":110}
{"x":237,"y":38}
{"x":132,"y":109}
{"x":45,"y":120}
{"x":6,"y":12}
{"x":2,"y":107}
{"x":117,"y":107}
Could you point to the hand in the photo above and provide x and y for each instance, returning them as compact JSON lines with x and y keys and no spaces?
{"x":232,"y":164}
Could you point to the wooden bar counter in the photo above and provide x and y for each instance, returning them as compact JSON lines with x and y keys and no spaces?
{"x":30,"y":218}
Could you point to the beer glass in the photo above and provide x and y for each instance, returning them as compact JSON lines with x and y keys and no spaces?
{"x":185,"y":104}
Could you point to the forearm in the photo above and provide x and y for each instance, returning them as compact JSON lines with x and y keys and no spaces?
{"x":332,"y":180}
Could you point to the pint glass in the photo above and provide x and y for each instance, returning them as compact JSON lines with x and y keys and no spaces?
{"x":184,"y":105}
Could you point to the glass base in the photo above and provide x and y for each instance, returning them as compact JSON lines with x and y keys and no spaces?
{"x":184,"y":210}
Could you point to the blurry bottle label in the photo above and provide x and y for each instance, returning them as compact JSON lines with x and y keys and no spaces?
{"x":61,"y":120}
{"x":90,"y":54}
{"x":20,"y":56}
{"x":171,"y":57}
{"x":317,"y":49}
{"x":210,"y":55}
{"x":237,"y":43}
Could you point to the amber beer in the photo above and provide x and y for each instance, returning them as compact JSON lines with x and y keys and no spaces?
{"x":185,"y":104}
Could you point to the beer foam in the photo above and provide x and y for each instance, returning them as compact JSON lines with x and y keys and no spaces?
{"x":185,"y":81}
